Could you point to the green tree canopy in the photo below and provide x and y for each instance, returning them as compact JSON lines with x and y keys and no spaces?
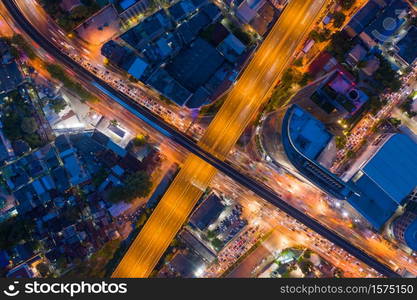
{"x":139,"y":140}
{"x":346,"y":4}
{"x":338,"y":19}
{"x":58,"y":104}
{"x":136,"y":185}
{"x":29,"y":125}
{"x":13,"y":231}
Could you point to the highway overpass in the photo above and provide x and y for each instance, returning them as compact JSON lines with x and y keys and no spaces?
{"x":191,"y":146}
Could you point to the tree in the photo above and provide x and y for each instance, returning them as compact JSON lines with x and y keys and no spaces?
{"x":211,"y":234}
{"x":340,"y":141}
{"x":407,"y":107}
{"x":350,"y":154}
{"x":100,"y":176}
{"x":21,"y":43}
{"x":114,"y":123}
{"x":43,"y":269}
{"x":320,"y":36}
{"x":11,"y":126}
{"x":58,"y":105}
{"x":61,"y":262}
{"x":13,"y":231}
{"x":59,"y":73}
{"x":29,"y":125}
{"x":298,"y":62}
{"x":375,"y":104}
{"x":139,"y":140}
{"x":395,"y":122}
{"x":142,"y":219}
{"x":305,"y":78}
{"x":387,"y":76}
{"x":346,"y":4}
{"x":217,"y":243}
{"x":338,"y":19}
{"x":33,"y":140}
{"x":340,"y":44}
{"x":137,"y":185}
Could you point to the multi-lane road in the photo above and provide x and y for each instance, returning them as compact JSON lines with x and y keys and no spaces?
{"x":196,"y":165}
{"x":240,"y":107}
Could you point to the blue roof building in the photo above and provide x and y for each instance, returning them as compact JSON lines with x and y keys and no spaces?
{"x":188,"y":31}
{"x":10,"y":77}
{"x":212,"y":11}
{"x":363,"y":17}
{"x":410,"y":235}
{"x":386,"y":178}
{"x":116,"y":53}
{"x":137,"y":68}
{"x":293,"y":140}
{"x":198,"y":3}
{"x":386,"y":23}
{"x":166,"y":46}
{"x":147,"y":30}
{"x":195,"y":65}
{"x":75,"y":170}
{"x":176,"y":62}
{"x":181,"y":10}
{"x":231,"y":48}
{"x":125,"y":4}
{"x":394,"y":167}
{"x":61,"y":179}
{"x":169,"y":87}
{"x":406,"y":46}
{"x":199,"y":98}
{"x":308,"y":134}
{"x":382,"y":177}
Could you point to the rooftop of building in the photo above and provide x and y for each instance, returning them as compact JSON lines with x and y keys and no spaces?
{"x":185,"y":264}
{"x":301,"y":139}
{"x":125,"y":4}
{"x":10,"y":77}
{"x":197,"y":245}
{"x":338,"y":91}
{"x":181,"y":10}
{"x":407,"y":44}
{"x":386,"y":179}
{"x":189,"y":30}
{"x":307,"y":133}
{"x":193,"y":66}
{"x":394,"y":167}
{"x":365,"y":16}
{"x":207,"y":212}
{"x":148,"y":29}
{"x":388,"y":21}
{"x":137,"y":68}
{"x":231,"y":48}
{"x":162,"y":81}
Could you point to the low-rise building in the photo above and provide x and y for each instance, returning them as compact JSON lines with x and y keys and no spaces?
{"x":406,"y":45}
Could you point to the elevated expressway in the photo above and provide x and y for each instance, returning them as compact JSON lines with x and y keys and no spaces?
{"x":201,"y":163}
{"x":240,"y":107}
